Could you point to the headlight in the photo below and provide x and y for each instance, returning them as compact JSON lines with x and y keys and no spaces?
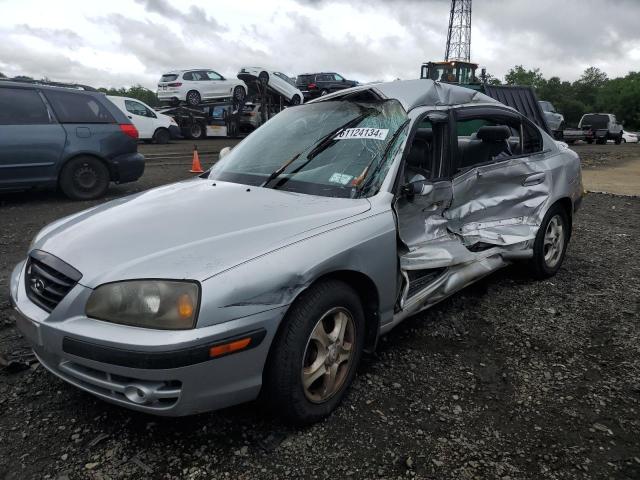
{"x":160,"y":304}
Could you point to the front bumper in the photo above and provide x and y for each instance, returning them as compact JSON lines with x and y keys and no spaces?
{"x":128,"y":167}
{"x":153,"y":371}
{"x":175,"y":132}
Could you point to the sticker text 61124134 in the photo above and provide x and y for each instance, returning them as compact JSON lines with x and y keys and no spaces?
{"x":370,"y":133}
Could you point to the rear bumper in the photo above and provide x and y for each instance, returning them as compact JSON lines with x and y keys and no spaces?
{"x":127,"y":168}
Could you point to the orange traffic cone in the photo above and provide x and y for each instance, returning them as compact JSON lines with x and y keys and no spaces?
{"x":195,"y":163}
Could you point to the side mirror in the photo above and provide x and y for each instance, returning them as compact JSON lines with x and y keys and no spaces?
{"x":224,"y":152}
{"x":419,"y":187}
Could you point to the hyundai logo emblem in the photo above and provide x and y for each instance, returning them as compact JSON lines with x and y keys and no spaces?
{"x":39,"y":285}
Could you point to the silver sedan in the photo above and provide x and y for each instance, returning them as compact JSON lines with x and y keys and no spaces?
{"x":272,"y":273}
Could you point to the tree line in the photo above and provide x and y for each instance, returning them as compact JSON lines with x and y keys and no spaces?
{"x":593,"y":92}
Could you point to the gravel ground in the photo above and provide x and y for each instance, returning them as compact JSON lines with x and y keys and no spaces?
{"x":509,"y":379}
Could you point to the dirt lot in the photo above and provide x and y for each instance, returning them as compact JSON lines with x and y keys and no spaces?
{"x":509,"y":379}
{"x":611,"y":168}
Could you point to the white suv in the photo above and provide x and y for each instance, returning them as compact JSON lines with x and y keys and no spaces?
{"x":195,"y":86}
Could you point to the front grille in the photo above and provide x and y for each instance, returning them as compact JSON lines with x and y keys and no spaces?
{"x":48,"y":279}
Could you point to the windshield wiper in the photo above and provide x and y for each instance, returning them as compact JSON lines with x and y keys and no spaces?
{"x":276,"y":173}
{"x":316,"y":148}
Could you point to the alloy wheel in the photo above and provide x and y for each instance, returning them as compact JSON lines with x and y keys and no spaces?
{"x":328,"y":355}
{"x":553,"y":241}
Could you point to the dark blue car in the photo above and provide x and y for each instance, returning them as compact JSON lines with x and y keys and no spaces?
{"x":70,"y":138}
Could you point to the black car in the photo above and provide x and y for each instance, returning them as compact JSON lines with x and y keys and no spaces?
{"x":314,"y":85}
{"x":67,"y":137}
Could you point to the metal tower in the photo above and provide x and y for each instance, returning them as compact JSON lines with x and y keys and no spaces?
{"x":459,"y":36}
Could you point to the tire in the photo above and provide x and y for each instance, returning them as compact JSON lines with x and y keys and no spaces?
{"x":264,"y":78}
{"x":623,"y":140}
{"x":193,"y":98}
{"x":162,"y":136}
{"x":195,"y":131}
{"x":550,"y":246}
{"x":239,"y":93}
{"x":618,"y":140}
{"x":324,"y":92}
{"x":297,"y":348}
{"x":296,"y":100}
{"x":84,"y":178}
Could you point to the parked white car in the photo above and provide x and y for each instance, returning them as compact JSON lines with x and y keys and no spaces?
{"x":195,"y":86}
{"x":151,"y":125}
{"x":628,"y":137}
{"x":277,"y":81}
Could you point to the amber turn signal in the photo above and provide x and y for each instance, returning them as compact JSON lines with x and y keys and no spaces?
{"x":185,"y":306}
{"x":225,"y":348}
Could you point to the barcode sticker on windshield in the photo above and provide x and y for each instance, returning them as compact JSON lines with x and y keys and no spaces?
{"x":340,"y":178}
{"x":371,"y":133}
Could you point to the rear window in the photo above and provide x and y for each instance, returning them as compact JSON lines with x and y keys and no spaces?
{"x":72,"y":107}
{"x":169,"y":77}
{"x":304,"y":79}
{"x":595,"y":121}
{"x":20,"y":106}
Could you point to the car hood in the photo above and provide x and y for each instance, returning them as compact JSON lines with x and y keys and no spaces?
{"x":190,"y":230}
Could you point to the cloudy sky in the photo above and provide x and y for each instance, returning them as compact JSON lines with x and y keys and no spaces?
{"x":124,"y":42}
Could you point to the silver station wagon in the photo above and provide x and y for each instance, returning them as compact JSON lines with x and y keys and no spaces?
{"x":315,"y":235}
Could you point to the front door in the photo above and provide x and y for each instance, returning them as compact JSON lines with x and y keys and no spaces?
{"x":142,"y":117}
{"x":500,"y":185}
{"x":31,"y":141}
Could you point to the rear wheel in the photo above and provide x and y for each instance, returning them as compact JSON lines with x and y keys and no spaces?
{"x":296,"y":100}
{"x":193,"y":98}
{"x":84,"y":178}
{"x":324,"y":92}
{"x":316,"y":353}
{"x":551,"y":242}
{"x":161,"y":136}
{"x":195,"y":131}
{"x":619,"y":139}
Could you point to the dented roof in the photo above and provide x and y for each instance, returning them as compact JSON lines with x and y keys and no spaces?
{"x":419,"y":93}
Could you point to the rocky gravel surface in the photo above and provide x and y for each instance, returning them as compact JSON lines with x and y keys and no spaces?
{"x":509,"y":379}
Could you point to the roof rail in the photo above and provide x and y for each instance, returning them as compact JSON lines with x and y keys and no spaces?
{"x":48,"y":83}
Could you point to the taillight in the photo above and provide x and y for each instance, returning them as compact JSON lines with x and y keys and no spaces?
{"x":176,"y":84}
{"x":311,"y":86}
{"x":130,"y":130}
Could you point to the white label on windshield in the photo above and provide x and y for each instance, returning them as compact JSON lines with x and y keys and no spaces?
{"x":372,"y":133}
{"x":340,"y":178}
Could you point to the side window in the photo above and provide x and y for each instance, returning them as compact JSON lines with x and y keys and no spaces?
{"x":324,"y":78}
{"x":211,"y":75}
{"x":531,"y":138}
{"x":187,"y":76}
{"x":338,"y":77}
{"x":71,"y":107}
{"x":20,"y":106}
{"x":419,"y":160}
{"x":485,"y":139}
{"x":138,"y":109}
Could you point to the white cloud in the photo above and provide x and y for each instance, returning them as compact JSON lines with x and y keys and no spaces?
{"x":123,"y":42}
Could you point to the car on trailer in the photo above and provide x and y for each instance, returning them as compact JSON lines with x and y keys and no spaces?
{"x":314,"y":85}
{"x":310,"y":239}
{"x":276,"y":81}
{"x":65,"y":136}
{"x":152,"y":126}
{"x":194,"y":86}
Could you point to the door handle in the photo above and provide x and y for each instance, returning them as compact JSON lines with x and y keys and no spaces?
{"x":535,"y":179}
{"x":128,"y":116}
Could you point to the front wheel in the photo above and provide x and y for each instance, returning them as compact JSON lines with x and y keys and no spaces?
{"x":296,"y":100}
{"x":551,"y":242}
{"x":84,"y":178}
{"x":316,"y":353}
{"x":619,"y":140}
{"x":162,"y":136}
{"x":263,"y":77}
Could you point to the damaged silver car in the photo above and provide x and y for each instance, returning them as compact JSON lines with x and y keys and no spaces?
{"x":316,"y":234}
